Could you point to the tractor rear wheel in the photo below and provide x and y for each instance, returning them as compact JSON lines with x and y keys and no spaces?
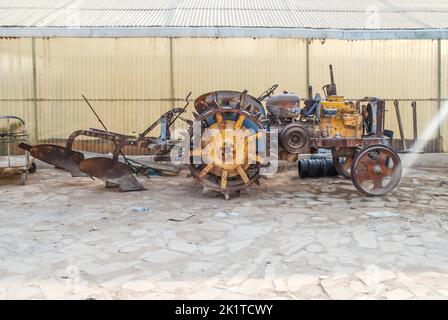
{"x":227,"y":159}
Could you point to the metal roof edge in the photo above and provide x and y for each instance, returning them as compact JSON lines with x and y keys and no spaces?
{"x":221,"y":32}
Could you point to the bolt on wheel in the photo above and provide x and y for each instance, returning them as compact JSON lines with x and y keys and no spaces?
{"x":376,"y":170}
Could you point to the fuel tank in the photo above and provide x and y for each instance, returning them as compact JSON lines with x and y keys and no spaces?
{"x":285,"y":106}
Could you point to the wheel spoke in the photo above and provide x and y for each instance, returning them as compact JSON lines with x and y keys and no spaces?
{"x":239,"y":122}
{"x":206,"y":170}
{"x":256,"y":136}
{"x":256,"y":158}
{"x":363,"y":176}
{"x":386,"y":170}
{"x":378,"y":182}
{"x":224,"y":175}
{"x":220,"y":121}
{"x":242,"y":174}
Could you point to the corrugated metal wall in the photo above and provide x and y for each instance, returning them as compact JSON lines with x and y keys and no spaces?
{"x":132,"y":81}
{"x":16,"y":85}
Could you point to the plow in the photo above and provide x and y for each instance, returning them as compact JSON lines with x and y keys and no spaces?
{"x":234,"y":136}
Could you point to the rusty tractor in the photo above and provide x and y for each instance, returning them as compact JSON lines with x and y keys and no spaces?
{"x":231,"y":140}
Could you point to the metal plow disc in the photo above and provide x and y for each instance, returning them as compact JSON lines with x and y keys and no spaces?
{"x":57,"y":156}
{"x":111,"y":171}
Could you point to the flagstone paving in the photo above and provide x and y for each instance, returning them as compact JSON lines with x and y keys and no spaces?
{"x":70,"y":238}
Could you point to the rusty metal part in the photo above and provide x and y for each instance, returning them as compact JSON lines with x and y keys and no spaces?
{"x":348,"y":142}
{"x":294,"y":138}
{"x":111,"y":171}
{"x":57,"y":156}
{"x":229,"y":99}
{"x":267,"y":93}
{"x":220,"y":168}
{"x":343,"y":165}
{"x":378,"y":107}
{"x":284,"y":106}
{"x":376,"y":170}
{"x":400,"y":124}
{"x":330,"y":89}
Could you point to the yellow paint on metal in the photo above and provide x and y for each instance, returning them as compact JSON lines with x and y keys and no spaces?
{"x":339,"y":119}
{"x":206,"y":170}
{"x":224,"y":176}
{"x":243,"y":174}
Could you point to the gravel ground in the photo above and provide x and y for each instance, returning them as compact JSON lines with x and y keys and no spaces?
{"x":70,"y":238}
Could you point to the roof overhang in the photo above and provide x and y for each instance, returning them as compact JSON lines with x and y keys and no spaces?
{"x":221,"y":32}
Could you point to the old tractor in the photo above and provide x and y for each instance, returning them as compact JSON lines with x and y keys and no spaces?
{"x":233,"y":135}
{"x":352,"y":130}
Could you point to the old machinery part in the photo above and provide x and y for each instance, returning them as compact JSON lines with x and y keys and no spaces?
{"x":310,"y":92}
{"x":114,"y":172}
{"x":232,"y":146}
{"x":315,"y":168}
{"x":227,"y":164}
{"x":60,"y":157}
{"x":340,"y":119}
{"x":372,"y":110}
{"x":343,"y":165}
{"x":267,"y":93}
{"x":294,"y":138}
{"x":376,"y":170}
{"x":283,"y":107}
{"x":111,"y":170}
{"x":229,"y":99}
{"x":369,"y":120}
{"x":330,"y":89}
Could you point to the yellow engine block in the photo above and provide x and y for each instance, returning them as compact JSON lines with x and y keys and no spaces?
{"x":339,"y":119}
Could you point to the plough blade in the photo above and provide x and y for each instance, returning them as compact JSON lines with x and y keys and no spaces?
{"x":57,"y":156}
{"x":111,"y":171}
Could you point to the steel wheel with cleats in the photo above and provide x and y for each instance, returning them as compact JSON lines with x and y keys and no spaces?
{"x":228,"y":159}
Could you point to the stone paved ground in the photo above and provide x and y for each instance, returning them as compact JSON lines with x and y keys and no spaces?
{"x":286,"y":239}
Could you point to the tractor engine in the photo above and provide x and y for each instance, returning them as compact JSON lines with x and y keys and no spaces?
{"x":284,"y":110}
{"x":339,"y":119}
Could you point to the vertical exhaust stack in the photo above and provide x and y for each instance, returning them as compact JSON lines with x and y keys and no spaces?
{"x":330,"y":89}
{"x":331,"y":74}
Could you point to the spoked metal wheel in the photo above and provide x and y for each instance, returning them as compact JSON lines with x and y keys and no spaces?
{"x":227,"y":159}
{"x":343,"y":165}
{"x":376,"y":170}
